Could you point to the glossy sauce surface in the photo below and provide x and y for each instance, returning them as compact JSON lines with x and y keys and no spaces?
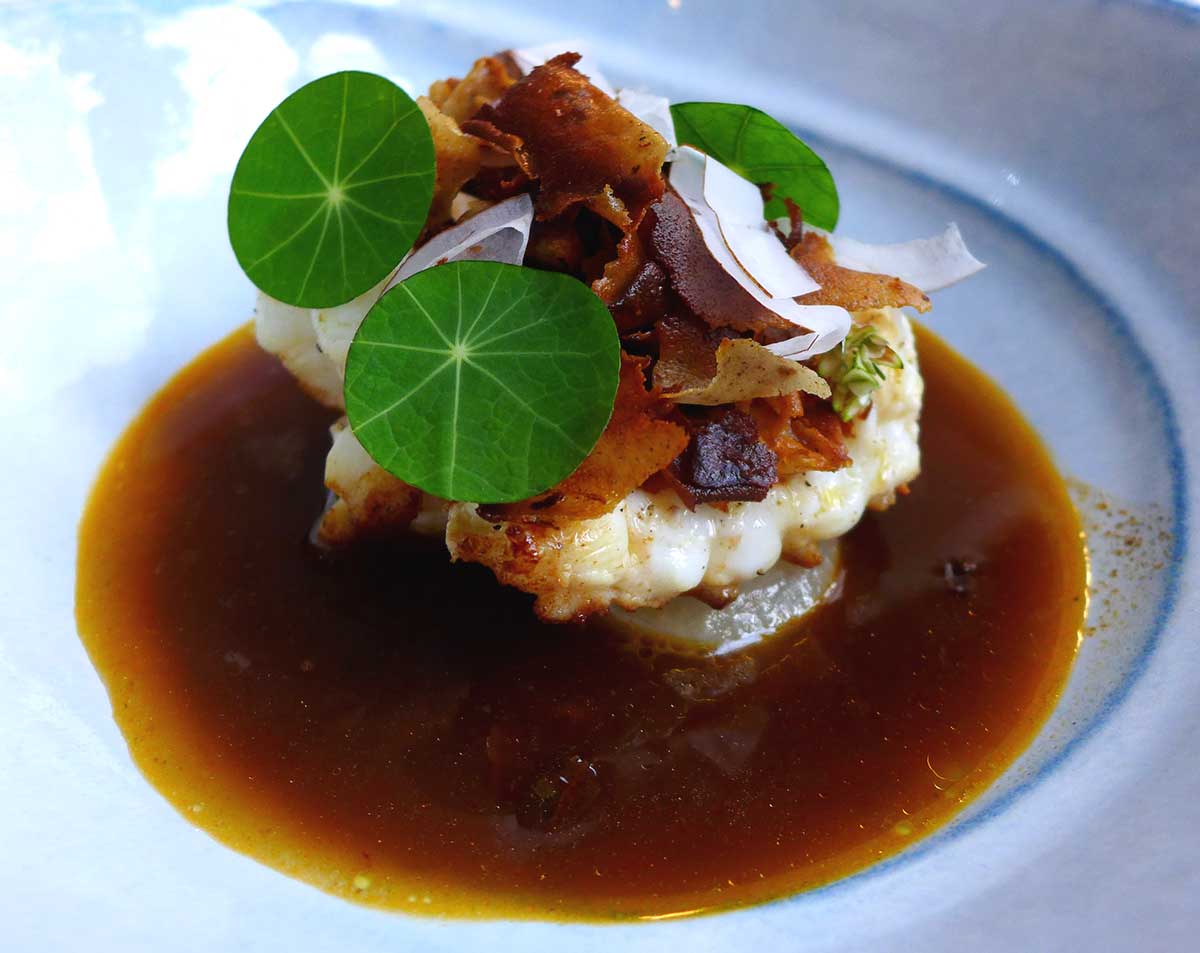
{"x":401,"y":731}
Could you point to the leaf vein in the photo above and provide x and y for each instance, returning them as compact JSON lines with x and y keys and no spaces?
{"x":482,"y":308}
{"x":300,"y":148}
{"x":379,"y":215}
{"x":253,"y":194}
{"x":387,"y":410}
{"x":504,"y":334}
{"x":533,"y":412}
{"x":287,"y":241}
{"x":450,"y":470}
{"x":382,"y":139}
{"x":384,"y":178}
{"x":428,"y":317}
{"x":316,"y":253}
{"x":337,"y":158}
{"x":401,"y":347}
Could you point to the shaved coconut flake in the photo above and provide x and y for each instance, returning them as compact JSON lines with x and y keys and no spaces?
{"x":928,"y":263}
{"x":498,"y":233}
{"x":827,"y":323}
{"x":738,"y":205}
{"x":654,"y":111}
{"x":531,"y":57}
{"x":745,"y":370}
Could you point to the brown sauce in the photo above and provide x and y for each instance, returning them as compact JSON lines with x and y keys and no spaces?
{"x":398,"y":730}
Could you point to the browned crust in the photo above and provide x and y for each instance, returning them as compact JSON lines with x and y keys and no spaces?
{"x":636,"y":444}
{"x":577,"y":143}
{"x":852,"y":290}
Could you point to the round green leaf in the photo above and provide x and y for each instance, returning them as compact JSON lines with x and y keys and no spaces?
{"x":762,"y":150}
{"x":332,"y":190}
{"x":481,"y":381}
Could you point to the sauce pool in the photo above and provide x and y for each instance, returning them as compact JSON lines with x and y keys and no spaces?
{"x":401,"y":731}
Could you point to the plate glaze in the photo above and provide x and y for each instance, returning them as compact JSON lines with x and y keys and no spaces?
{"x":1057,"y":137}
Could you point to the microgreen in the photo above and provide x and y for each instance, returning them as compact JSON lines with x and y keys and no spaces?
{"x":855,"y":369}
{"x":762,"y":150}
{"x":482,"y":381}
{"x":332,"y":190}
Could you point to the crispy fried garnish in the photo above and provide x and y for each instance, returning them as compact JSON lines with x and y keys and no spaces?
{"x":459,"y":158}
{"x":461,"y":99}
{"x":497,"y":184}
{"x":379,"y":506}
{"x":852,"y":290}
{"x":746,"y":370}
{"x":486,"y":130}
{"x":529,"y":557}
{"x":644,"y":301}
{"x":556,"y":245}
{"x":805,"y":434}
{"x":725,"y":461}
{"x":370,"y":502}
{"x":687,"y":352}
{"x":633,"y":287}
{"x":636,"y":444}
{"x":577,"y":143}
{"x":707,"y":289}
{"x":621,"y":271}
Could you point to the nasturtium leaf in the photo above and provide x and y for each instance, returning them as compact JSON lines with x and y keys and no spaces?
{"x":482,"y":381}
{"x":332,"y":190}
{"x":762,"y":150}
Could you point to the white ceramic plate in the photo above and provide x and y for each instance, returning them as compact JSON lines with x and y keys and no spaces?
{"x":1062,"y":137}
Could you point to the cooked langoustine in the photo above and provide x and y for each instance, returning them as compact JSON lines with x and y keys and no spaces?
{"x":650,"y":547}
{"x":653,"y":533}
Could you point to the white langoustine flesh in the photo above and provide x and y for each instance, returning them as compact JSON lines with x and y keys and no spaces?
{"x":650,"y":548}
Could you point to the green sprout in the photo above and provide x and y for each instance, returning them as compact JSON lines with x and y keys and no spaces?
{"x":855,"y":370}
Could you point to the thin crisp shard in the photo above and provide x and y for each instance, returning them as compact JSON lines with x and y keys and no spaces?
{"x":643,"y":301}
{"x":805,"y":435}
{"x":577,"y":143}
{"x":459,"y":159}
{"x":687,"y":352}
{"x":849,"y":289}
{"x":636,"y":444}
{"x":746,"y":370}
{"x":461,"y":99}
{"x":928,"y":263}
{"x":531,"y":57}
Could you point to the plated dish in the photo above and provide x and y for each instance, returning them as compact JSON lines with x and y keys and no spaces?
{"x":791,"y":582}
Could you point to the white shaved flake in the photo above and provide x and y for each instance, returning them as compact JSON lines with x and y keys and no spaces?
{"x":498,"y":233}
{"x":927,"y":263}
{"x":738,"y":205}
{"x":828,"y":324}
